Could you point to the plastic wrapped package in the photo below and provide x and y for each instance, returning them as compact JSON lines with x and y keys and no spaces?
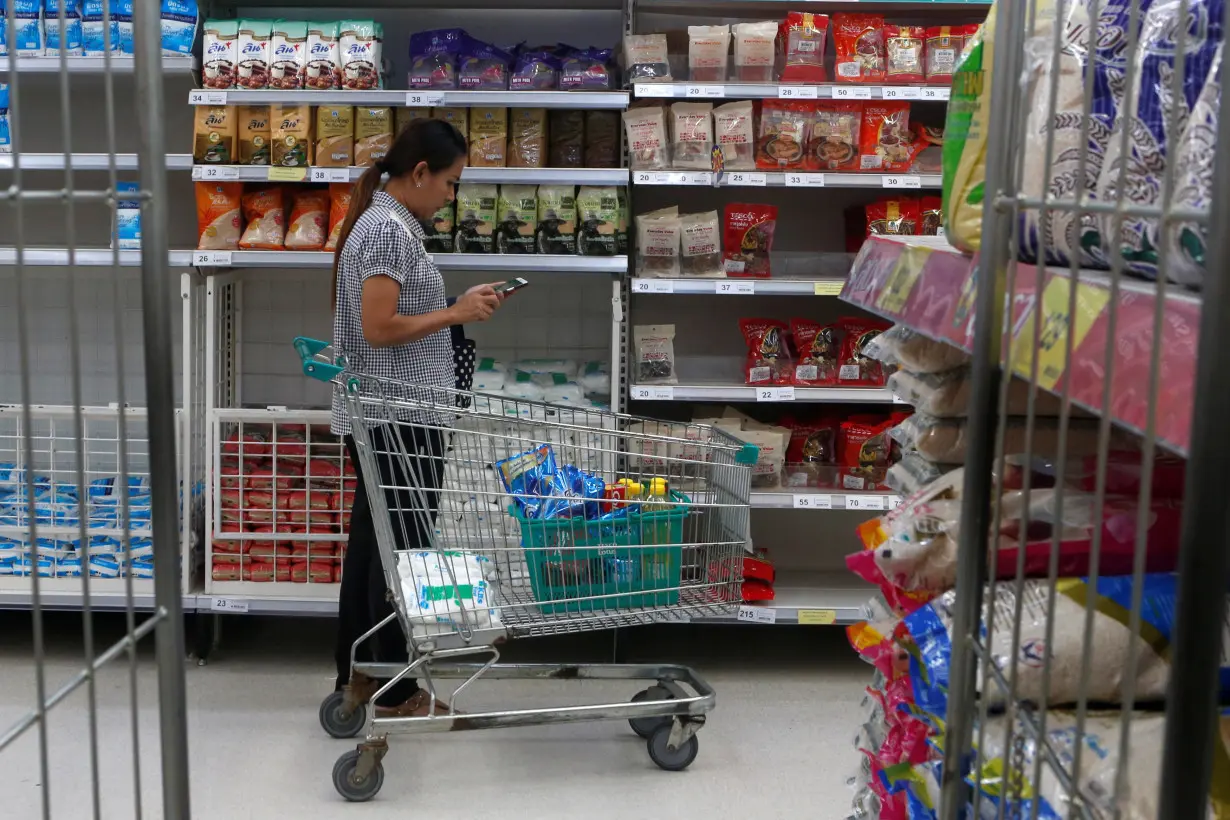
{"x":490,"y":376}
{"x":476,"y":218}
{"x":944,"y":441}
{"x":783,"y":134}
{"x":700,"y":237}
{"x":912,"y":473}
{"x":748,"y":239}
{"x":944,"y":44}
{"x":658,"y":243}
{"x":769,"y":359}
{"x":595,"y":378}
{"x":309,"y":219}
{"x":433,"y":583}
{"x":586,"y":69}
{"x":856,"y":366}
{"x":517,"y":216}
{"x":488,"y":135}
{"x":288,"y":53}
{"x":557,"y":219}
{"x":946,"y":394}
{"x":833,"y":137}
{"x":691,"y":135}
{"x":527,"y":138}
{"x":335,"y":130}
{"x":646,"y":58}
{"x":98,"y":36}
{"x":755,"y":51}
{"x":218,"y":215}
{"x":219,"y":53}
{"x":178,"y":20}
{"x":291,"y":128}
{"x":903,"y":53}
{"x":859,"y":42}
{"x":433,"y":58}
{"x":1193,"y":155}
{"x":735,"y":133}
{"x":214,"y":133}
{"x":324,"y":56}
{"x":597,"y":220}
{"x":708,"y":53}
{"x":438,"y":231}
{"x":6,"y":139}
{"x":906,"y":348}
{"x":648,"y":149}
{"x":534,"y":70}
{"x":482,"y":67}
{"x":804,"y":40}
{"x":566,"y":143}
{"x":265,"y":218}
{"x":253,"y":67}
{"x":654,"y":353}
{"x":601,"y":139}
{"x":548,"y":368}
{"x":819,"y":350}
{"x":70,"y":44}
{"x":885,"y":141}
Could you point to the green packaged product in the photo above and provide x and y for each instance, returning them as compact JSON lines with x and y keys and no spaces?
{"x":476,"y":218}
{"x":438,"y":231}
{"x":621,"y":226}
{"x":518,"y":215}
{"x":597,"y":218}
{"x":965,"y":140}
{"x":557,"y":219}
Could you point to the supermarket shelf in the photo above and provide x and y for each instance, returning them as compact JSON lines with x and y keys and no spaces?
{"x":106,"y":594}
{"x":924,"y":283}
{"x":811,"y":498}
{"x":532,"y":263}
{"x":737,"y":392}
{"x":254,"y":599}
{"x":527,"y":176}
{"x":791,"y":91}
{"x":86,"y":162}
{"x":810,"y":598}
{"x":86,"y":257}
{"x":741,"y":287}
{"x":774,"y":179}
{"x":523,"y":99}
{"x":89,"y":65}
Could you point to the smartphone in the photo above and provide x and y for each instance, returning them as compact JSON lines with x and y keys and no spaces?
{"x":511,"y":285}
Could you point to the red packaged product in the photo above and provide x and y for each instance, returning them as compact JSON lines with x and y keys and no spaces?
{"x":748,"y":239}
{"x":226,"y":558}
{"x":859,"y":42}
{"x":885,"y":141}
{"x":757,"y":591}
{"x":903,"y":53}
{"x":257,"y":516}
{"x":252,"y":445}
{"x":256,"y":499}
{"x":783,"y":134}
{"x":944,"y":44}
{"x":231,"y":521}
{"x":290,"y":444}
{"x":225,"y":571}
{"x":803,"y":35}
{"x":819,"y":350}
{"x":223,"y":545}
{"x":813,"y":442}
{"x":768,"y":352}
{"x":833,"y":135}
{"x":759,"y":567}
{"x":865,"y":454}
{"x":856,"y":367}
{"x":260,"y":571}
{"x":899,"y":216}
{"x":317,"y":572}
{"x":289,"y":476}
{"x":310,"y":517}
{"x":266,"y":550}
{"x":931,"y":214}
{"x":350,"y":484}
{"x":230,"y":499}
{"x":316,"y":499}
{"x":231,"y":478}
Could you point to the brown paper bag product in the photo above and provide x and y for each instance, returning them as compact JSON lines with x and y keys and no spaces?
{"x":488,"y":137}
{"x":292,"y":135}
{"x":335,"y":136}
{"x":402,"y":117}
{"x":214,"y":135}
{"x":255,"y":134}
{"x":527,"y":138}
{"x":601,"y":139}
{"x":566,"y":146}
{"x":373,"y":135}
{"x":456,"y":117}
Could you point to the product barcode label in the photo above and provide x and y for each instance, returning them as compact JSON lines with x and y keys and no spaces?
{"x":849,"y":371}
{"x":735,"y":288}
{"x":228,"y":605}
{"x":220,"y":173}
{"x":704,"y":92}
{"x":806,"y":372}
{"x":902,"y":92}
{"x":773,"y":393}
{"x":653,"y":393}
{"x":211,"y":259}
{"x":797,"y":92}
{"x":851,"y":92}
{"x":813,"y":501}
{"x":747,"y":178}
{"x":757,"y":614}
{"x":329,"y":175}
{"x":804,"y":180}
{"x":906,"y":181}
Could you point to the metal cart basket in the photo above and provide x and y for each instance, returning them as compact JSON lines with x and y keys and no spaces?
{"x":507,"y":518}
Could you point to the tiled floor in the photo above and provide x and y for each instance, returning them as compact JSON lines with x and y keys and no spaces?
{"x":777,"y":746}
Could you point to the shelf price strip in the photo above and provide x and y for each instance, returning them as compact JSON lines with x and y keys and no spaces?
{"x":653,"y":394}
{"x":849,"y":501}
{"x":214,"y":172}
{"x":756,"y":615}
{"x":227,"y":605}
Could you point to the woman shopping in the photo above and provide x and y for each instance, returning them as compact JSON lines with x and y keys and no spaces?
{"x":392,"y":319}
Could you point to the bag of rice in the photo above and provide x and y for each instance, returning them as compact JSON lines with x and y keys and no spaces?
{"x":597,"y":219}
{"x":265,"y":218}
{"x":309,"y":218}
{"x":217,"y":215}
{"x":654,"y":352}
{"x":339,"y":204}
{"x":595,"y":379}
{"x":517,"y":212}
{"x":489,"y":376}
{"x":965,"y":139}
{"x":476,"y":217}
{"x":557,"y":219}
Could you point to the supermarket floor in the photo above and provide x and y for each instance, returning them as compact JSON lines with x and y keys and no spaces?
{"x":778,"y":745}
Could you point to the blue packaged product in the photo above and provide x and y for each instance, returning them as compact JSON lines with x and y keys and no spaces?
{"x":535,"y":70}
{"x":586,"y":69}
{"x":68,"y":568}
{"x":179,"y":19}
{"x":433,"y":58}
{"x":4,"y":29}
{"x":98,"y":36}
{"x":102,"y":566}
{"x":141,"y":548}
{"x":121,"y":12}
{"x":141,"y":569}
{"x":526,"y":476}
{"x":27,"y":33}
{"x":53,"y":45}
{"x":127,"y":216}
{"x":6,"y":136}
{"x":482,"y":66}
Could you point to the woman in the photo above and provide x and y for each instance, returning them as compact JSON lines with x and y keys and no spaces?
{"x":392,"y":319}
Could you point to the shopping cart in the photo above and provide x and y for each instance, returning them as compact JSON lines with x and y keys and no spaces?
{"x":500,"y":518}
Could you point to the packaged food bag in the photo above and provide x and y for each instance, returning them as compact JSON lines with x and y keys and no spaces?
{"x":488,"y":137}
{"x":833,"y":136}
{"x":769,"y":360}
{"x":219,"y":53}
{"x":178,"y":19}
{"x":566,"y":139}
{"x":253,"y":53}
{"x":70,"y":44}
{"x":98,"y":36}
{"x":735,"y":134}
{"x":517,"y":212}
{"x":335,"y":128}
{"x":601,"y":139}
{"x":359,"y":44}
{"x":309,"y":219}
{"x":482,"y":66}
{"x":213,"y":135}
{"x":265,"y":218}
{"x":645,"y":58}
{"x":433,"y":58}
{"x":805,"y":35}
{"x":755,"y":51}
{"x":654,"y":351}
{"x":557,"y":219}
{"x":373,"y":135}
{"x":476,"y":218}
{"x":657,"y":245}
{"x":819,"y":351}
{"x":859,"y":43}
{"x":527,"y":138}
{"x":217,"y":215}
{"x":708,"y":53}
{"x":438,"y":231}
{"x":292,"y":136}
{"x":965,"y":139}
{"x":439,"y":586}
{"x":339,"y":204}
{"x":288,"y":54}
{"x":783,"y":134}
{"x":748,"y":239}
{"x":597,"y":219}
{"x":700,"y":239}
{"x":255,"y":135}
{"x":648,"y":149}
{"x":692,"y":135}
{"x":323,"y":70}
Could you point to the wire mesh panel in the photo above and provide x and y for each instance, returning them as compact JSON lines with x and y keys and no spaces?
{"x":91,"y":499}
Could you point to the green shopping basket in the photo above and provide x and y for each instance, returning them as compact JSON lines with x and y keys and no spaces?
{"x":582,"y":565}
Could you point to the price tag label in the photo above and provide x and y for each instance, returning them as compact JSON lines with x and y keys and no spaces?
{"x":642,"y":178}
{"x":211,"y":259}
{"x":653,"y":393}
{"x":202,"y":97}
{"x":817,"y":617}
{"x":804,"y":180}
{"x":421,"y":99}
{"x":219,"y":173}
{"x":851,"y":92}
{"x":813,"y":502}
{"x":865,"y":502}
{"x":797,"y":92}
{"x":747,"y":179}
{"x":653,"y":286}
{"x":701,"y":178}
{"x":227,"y":605}
{"x":643,"y":89}
{"x":902,"y":92}
{"x":277,"y":174}
{"x":934,"y":93}
{"x":774,"y":394}
{"x":757,"y":615}
{"x":905,"y":181}
{"x":827,"y":288}
{"x":735,"y":288}
{"x":704,"y":92}
{"x":329,"y":174}
{"x":894,"y":501}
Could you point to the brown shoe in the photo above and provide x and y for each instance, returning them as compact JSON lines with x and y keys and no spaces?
{"x":361,"y":688}
{"x":417,"y":705}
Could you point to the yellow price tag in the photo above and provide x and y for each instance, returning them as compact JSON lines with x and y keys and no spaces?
{"x":1053,"y":338}
{"x":279,"y":174}
{"x":817,"y":617}
{"x":828,"y":288}
{"x":900,"y":283}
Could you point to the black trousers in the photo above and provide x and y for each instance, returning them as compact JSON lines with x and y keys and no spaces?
{"x":363,"y":599}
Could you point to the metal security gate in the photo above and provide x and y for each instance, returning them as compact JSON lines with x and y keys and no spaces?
{"x":1067,"y":188}
{"x":90,"y":493}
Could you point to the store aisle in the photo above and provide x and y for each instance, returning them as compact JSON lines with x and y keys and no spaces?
{"x":778,"y":744}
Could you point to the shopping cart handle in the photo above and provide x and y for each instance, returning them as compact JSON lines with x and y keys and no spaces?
{"x":313,"y":367}
{"x":750,"y":454}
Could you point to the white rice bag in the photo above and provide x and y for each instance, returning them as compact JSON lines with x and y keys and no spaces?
{"x":566,"y":366}
{"x":595,"y":379}
{"x":524,"y":386}
{"x":438,"y":585}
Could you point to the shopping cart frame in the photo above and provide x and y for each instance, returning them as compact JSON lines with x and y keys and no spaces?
{"x":668,"y":714}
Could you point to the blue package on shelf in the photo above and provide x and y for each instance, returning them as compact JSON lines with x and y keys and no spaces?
{"x":179,"y":21}
{"x":27,"y":33}
{"x":6,"y":138}
{"x":70,"y":45}
{"x":128,"y":217}
{"x":98,"y":36}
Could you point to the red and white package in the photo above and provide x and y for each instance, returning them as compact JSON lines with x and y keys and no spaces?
{"x":252,"y":445}
{"x":859,"y":43}
{"x":316,"y":572}
{"x":225,"y":571}
{"x":256,"y":499}
{"x":289,"y":476}
{"x":768,"y":352}
{"x":290,"y":444}
{"x":819,"y":352}
{"x":944,"y":44}
{"x":903,"y":52}
{"x":257,"y":517}
{"x":230,"y":479}
{"x":259,"y":571}
{"x":230,"y":499}
{"x":748,"y":239}
{"x":865,"y":453}
{"x":856,"y":366}
{"x":803,"y":35}
{"x":310,"y":517}
{"x":226,"y":546}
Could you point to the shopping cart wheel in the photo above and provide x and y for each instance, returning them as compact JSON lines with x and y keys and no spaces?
{"x":646,"y":726}
{"x":675,"y":760}
{"x":335,"y":721}
{"x":350,"y":787}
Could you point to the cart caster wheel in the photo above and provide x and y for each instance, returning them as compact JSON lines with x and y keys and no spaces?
{"x":335,"y":721}
{"x":348,"y":786}
{"x":646,"y":726}
{"x":672,"y":760}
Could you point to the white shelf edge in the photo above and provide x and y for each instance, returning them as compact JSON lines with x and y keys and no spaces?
{"x":401,"y":98}
{"x":793,"y":179}
{"x":837,"y":500}
{"x":572,"y":176}
{"x":120,"y":64}
{"x":86,"y":162}
{"x":739,"y":287}
{"x":912,"y":92}
{"x":747,"y":393}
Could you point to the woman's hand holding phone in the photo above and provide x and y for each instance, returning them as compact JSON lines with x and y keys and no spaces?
{"x":476,"y":305}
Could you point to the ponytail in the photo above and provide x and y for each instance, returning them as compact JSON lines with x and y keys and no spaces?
{"x":433,"y":142}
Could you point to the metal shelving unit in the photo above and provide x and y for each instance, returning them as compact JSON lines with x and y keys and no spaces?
{"x":512,"y":176}
{"x":416,"y":99}
{"x":800,"y":179}
{"x":116,"y":64}
{"x":789,"y":91}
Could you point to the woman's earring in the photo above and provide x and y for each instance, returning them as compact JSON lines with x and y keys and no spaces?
{"x":418,"y":185}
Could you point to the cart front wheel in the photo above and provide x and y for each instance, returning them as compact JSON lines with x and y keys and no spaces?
{"x":673,"y":760}
{"x":335,"y":721}
{"x":646,"y":726}
{"x":350,"y":786}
